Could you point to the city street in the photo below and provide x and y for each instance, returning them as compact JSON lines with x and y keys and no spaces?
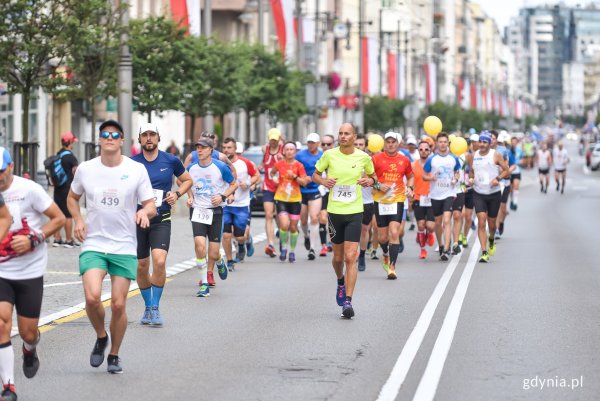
{"x":523,"y":327}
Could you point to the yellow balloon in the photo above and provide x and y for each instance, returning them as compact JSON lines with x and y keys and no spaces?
{"x":432,"y":125}
{"x":458,"y":146}
{"x":451,"y":137}
{"x":375,"y":143}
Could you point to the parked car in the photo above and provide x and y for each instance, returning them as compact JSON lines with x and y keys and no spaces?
{"x":254,"y":154}
{"x":595,"y":156}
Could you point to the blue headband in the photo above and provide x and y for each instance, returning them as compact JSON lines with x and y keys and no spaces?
{"x":485,"y":138}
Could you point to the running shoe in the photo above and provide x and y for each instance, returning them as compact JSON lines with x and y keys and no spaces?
{"x":58,"y":243}
{"x":277,"y":234}
{"x":156,"y":317}
{"x":423,"y":254}
{"x":147,"y":317}
{"x":97,"y":356}
{"x":456,"y":249}
{"x":430,"y":239}
{"x":374,"y":254}
{"x":114,"y":365}
{"x":492,"y":248}
{"x":222,"y":268}
{"x":401,"y":248}
{"x":541,"y":188}
{"x":392,"y":273}
{"x":312,"y":255}
{"x":501,"y":228}
{"x":340,"y":295}
{"x":444,"y":256}
{"x":517,"y":206}
{"x":473,"y":226}
{"x":386,"y":263}
{"x":31,"y":362}
{"x":307,"y":243}
{"x":292,"y":257}
{"x":362,"y":265}
{"x":329,"y":247}
{"x":270,"y":250}
{"x":412,"y":227}
{"x":250,"y":247}
{"x":498,"y":234}
{"x":8,"y":394}
{"x":241,"y":254}
{"x":484,"y":258}
{"x":230,"y":265}
{"x":283,"y":255}
{"x":463,"y":241}
{"x":512,"y":206}
{"x":557,"y":186}
{"x":211,"y":279}
{"x":71,"y":244}
{"x":203,"y":292}
{"x":441,"y":250}
{"x":323,"y":251}
{"x":347,"y":310}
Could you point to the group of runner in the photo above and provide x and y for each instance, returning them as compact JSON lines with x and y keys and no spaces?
{"x":343,"y":197}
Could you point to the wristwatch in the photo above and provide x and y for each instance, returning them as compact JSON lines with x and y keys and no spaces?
{"x":223,"y":197}
{"x":178,"y":194}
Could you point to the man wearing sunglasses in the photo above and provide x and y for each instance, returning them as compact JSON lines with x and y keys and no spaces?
{"x":114,"y":185}
{"x":487,"y":168}
{"x":156,"y":238}
{"x":23,"y":263}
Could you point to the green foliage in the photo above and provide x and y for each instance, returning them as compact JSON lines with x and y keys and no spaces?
{"x":156,"y":50}
{"x":291,"y":105}
{"x":383,"y":114}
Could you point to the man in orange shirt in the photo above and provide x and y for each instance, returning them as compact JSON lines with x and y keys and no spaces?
{"x":422,"y":202}
{"x":288,"y":198}
{"x":389,"y":195}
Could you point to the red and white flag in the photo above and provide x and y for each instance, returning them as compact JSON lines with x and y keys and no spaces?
{"x":186,"y":13}
{"x":396,"y":84}
{"x":430,"y":82}
{"x":370,"y":66}
{"x":283,"y":16}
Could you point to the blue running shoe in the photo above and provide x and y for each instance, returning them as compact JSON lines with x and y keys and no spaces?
{"x":204,"y":291}
{"x":292,"y":257}
{"x":231,"y":265}
{"x":347,"y":310}
{"x":283,"y":254}
{"x":222,"y":268}
{"x":340,"y":294}
{"x":250,"y":247}
{"x":156,"y":317}
{"x":362,"y":265}
{"x":147,"y":318}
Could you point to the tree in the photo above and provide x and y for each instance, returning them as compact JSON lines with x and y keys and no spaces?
{"x":383,"y":114}
{"x":291,"y":105}
{"x":157,"y":57}
{"x":92,"y":60}
{"x":33,"y":37}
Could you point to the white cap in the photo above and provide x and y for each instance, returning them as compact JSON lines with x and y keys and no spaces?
{"x":503,"y":137}
{"x":145,"y":127}
{"x":239,"y":147}
{"x":298,"y":145}
{"x":411,"y":140}
{"x":394,"y":135}
{"x":474,"y":138}
{"x":313,"y":137}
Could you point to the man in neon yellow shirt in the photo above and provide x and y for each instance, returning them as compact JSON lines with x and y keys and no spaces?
{"x":345,"y":166}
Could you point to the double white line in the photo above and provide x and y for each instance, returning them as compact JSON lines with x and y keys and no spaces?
{"x":431,"y":377}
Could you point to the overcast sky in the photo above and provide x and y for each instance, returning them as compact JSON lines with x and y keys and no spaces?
{"x":504,"y":10}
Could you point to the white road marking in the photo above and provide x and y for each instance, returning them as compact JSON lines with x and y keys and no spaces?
{"x":433,"y":372}
{"x":67,"y":283}
{"x":391,"y":388}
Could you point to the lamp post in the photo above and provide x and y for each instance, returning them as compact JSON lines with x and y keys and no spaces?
{"x":125,"y":82}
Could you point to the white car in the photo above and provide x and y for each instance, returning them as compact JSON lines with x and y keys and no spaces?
{"x":595,"y":157}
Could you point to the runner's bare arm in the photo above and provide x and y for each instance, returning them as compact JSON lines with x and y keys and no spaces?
{"x":148,"y":211}
{"x":185,"y":183}
{"x":79,"y":229}
{"x":326,"y":182}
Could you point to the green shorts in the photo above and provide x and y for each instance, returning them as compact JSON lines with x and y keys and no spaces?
{"x":115,"y":265}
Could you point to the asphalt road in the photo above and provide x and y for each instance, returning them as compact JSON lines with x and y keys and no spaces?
{"x":445,"y":331}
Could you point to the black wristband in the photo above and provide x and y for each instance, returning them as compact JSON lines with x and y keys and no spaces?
{"x":178,"y":194}
{"x":36,"y":239}
{"x":223,"y":197}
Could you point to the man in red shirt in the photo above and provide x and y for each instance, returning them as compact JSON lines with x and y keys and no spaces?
{"x":272,"y":153}
{"x":389,"y":195}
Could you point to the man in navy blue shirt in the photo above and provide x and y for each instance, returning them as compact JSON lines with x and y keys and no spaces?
{"x":311,"y":197}
{"x":155,"y":239}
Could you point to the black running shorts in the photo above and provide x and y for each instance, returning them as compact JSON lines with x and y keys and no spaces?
{"x":157,"y":236}
{"x":441,"y":206}
{"x":214,"y":230}
{"x":367,"y":214}
{"x":290,"y":208}
{"x":25,"y":295}
{"x":385,"y":219}
{"x":423,"y":212}
{"x":516,"y":176}
{"x":459,"y":202}
{"x":505,"y":193}
{"x":543,"y":171}
{"x":310,"y":197}
{"x":489,"y":204}
{"x":325,"y":201}
{"x":345,"y":227}
{"x":469,"y":199}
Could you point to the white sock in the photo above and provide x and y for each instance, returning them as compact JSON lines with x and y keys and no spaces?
{"x":31,"y":347}
{"x":204,"y":274}
{"x":7,"y":363}
{"x":315,"y":239}
{"x":515,"y":196}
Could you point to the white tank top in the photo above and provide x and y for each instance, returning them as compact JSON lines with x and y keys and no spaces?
{"x":485,"y":170}
{"x":543,"y":159}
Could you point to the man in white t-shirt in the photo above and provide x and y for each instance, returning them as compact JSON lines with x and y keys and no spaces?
{"x":560,"y":158}
{"x":113,"y":185}
{"x":23,"y":260}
